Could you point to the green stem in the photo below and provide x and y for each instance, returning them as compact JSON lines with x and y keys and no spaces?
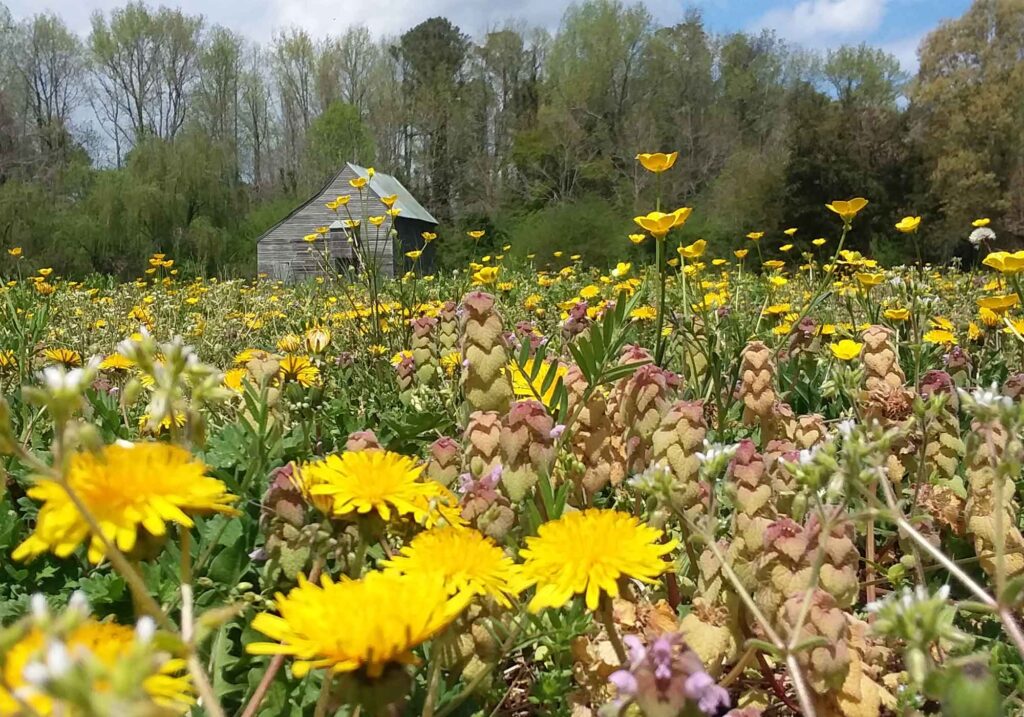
{"x":604,"y":613}
{"x":659,"y":351}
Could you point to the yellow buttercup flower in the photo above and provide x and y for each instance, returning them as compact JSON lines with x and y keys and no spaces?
{"x":999,"y":304}
{"x":908,"y":225}
{"x":476,"y":234}
{"x":755,"y":236}
{"x":14,"y":251}
{"x":848,"y":208}
{"x":1005,"y":262}
{"x":819,"y":241}
{"x":979,"y":223}
{"x":637,"y":238}
{"x":486,"y":275}
{"x":741,"y":253}
{"x":428,"y":237}
{"x":622,"y":269}
{"x":659,"y":223}
{"x":657,"y":162}
{"x":789,"y":232}
{"x":693,"y":251}
{"x":368,"y":625}
{"x":107,"y":645}
{"x":358,"y":182}
{"x":587,"y":553}
{"x":900,"y":314}
{"x":389,"y":200}
{"x":870,"y":279}
{"x":363,"y":482}
{"x":466,"y":560}
{"x":128,"y":488}
{"x":785,"y":247}
{"x":846,"y":350}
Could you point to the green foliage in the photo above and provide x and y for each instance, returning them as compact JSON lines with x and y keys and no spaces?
{"x":589,"y":226}
{"x":335,"y":137}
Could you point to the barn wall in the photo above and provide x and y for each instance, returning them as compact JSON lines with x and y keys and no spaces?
{"x":282,"y":254}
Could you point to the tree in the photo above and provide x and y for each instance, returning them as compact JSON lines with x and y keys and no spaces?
{"x":144,"y":65}
{"x":432,"y":57}
{"x":969,"y":115}
{"x":335,"y":137}
{"x":864,"y":76}
{"x":217,"y":95}
{"x":50,"y":63}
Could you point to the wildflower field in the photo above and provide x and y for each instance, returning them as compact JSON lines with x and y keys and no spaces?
{"x":714,"y":484}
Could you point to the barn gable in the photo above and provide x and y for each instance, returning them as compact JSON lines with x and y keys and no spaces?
{"x":282,"y":253}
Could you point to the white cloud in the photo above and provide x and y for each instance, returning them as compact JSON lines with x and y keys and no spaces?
{"x":821,"y":22}
{"x":261,"y":18}
{"x":905,"y":50}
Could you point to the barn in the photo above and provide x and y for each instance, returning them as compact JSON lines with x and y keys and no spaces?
{"x":283,"y":254}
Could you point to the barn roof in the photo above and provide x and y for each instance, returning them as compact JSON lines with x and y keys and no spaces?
{"x":384,"y":185}
{"x":381,"y":185}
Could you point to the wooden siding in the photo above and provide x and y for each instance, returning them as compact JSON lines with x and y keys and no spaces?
{"x":282,"y":253}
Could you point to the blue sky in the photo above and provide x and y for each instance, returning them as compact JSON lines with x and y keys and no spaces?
{"x":896,"y":25}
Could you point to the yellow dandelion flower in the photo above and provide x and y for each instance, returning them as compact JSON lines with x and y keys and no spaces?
{"x":587,"y":553}
{"x":289,"y":343}
{"x":465,"y":559}
{"x":108,"y":644}
{"x":524,"y":388}
{"x":116,"y":362}
{"x":940,"y":336}
{"x":363,"y":482}
{"x":317,"y":339}
{"x":644,"y":313}
{"x":450,"y":363}
{"x":66,"y":357}
{"x":234,"y":378}
{"x":127,"y":487}
{"x":369,"y":624}
{"x":298,"y":369}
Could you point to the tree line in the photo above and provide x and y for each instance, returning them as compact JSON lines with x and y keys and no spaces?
{"x":158,"y":132}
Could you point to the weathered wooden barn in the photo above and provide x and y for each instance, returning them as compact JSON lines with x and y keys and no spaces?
{"x":283,"y":254}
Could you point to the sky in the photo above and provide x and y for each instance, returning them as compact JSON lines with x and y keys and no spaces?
{"x":895,"y":25}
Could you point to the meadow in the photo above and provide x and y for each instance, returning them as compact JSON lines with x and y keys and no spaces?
{"x":712,"y":484}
